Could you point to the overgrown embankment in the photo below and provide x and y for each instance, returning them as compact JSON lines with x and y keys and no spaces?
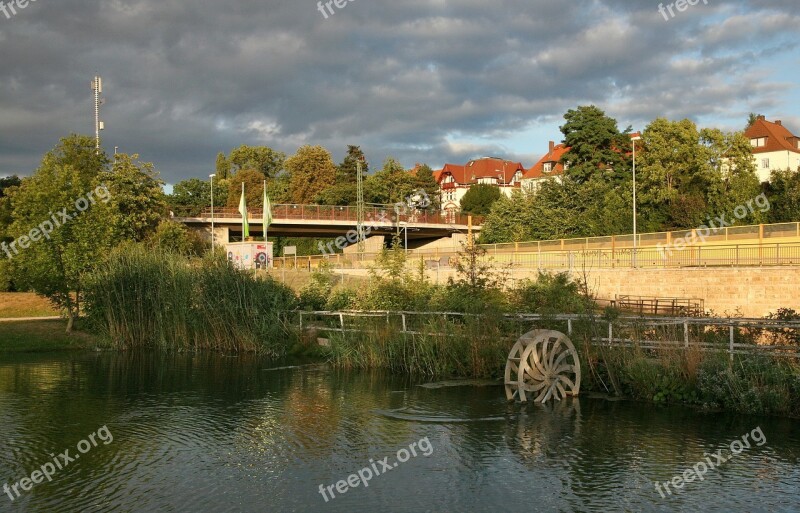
{"x":141,"y":298}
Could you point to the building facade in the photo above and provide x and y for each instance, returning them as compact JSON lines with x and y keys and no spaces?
{"x":775,"y":148}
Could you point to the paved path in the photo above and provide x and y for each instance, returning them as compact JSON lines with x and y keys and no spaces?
{"x":14,"y":319}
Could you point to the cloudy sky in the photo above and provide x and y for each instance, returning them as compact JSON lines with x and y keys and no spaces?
{"x":422,"y":80}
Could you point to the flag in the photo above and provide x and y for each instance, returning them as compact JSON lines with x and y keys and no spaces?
{"x":267,"y":216}
{"x":243,"y":211}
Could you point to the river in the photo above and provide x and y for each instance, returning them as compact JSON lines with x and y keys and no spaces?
{"x":152,"y":432}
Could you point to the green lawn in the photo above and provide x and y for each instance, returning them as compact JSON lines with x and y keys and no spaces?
{"x":38,"y":336}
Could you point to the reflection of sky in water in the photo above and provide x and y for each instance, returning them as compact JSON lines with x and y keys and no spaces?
{"x":207,"y":433}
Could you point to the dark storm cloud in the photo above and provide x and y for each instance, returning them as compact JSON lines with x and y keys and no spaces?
{"x":185,"y":79}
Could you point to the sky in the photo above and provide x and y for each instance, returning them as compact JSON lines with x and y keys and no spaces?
{"x":428,"y":81}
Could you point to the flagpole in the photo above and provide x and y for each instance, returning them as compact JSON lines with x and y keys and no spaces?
{"x":264,"y":215}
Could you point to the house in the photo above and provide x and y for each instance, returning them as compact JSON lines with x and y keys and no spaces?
{"x":549,"y":166}
{"x":774,"y":147}
{"x":455,"y":180}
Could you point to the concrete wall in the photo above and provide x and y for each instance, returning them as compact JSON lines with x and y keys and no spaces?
{"x":754,"y":292}
{"x":751,"y":292}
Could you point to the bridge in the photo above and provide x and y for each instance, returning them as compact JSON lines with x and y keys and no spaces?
{"x":325,"y":221}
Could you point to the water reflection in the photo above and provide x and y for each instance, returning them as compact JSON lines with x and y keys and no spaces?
{"x":213,"y":433}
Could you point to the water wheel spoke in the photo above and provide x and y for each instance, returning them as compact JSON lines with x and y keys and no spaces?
{"x":563,"y":356}
{"x":565,"y":368}
{"x":567,"y":381}
{"x":553,"y":352}
{"x":561,"y":388}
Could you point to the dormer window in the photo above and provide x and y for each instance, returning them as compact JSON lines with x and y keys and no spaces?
{"x":758,"y":142}
{"x":548,"y":167}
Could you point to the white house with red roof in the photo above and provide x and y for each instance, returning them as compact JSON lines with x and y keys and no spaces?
{"x":775,"y":148}
{"x":548,"y":167}
{"x":455,"y":180}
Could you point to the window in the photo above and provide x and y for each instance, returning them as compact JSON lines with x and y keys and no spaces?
{"x":765,"y":163}
{"x":758,"y":142}
{"x":548,"y":166}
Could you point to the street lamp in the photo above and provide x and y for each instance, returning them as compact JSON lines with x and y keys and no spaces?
{"x":405,"y":228}
{"x":633,"y":143}
{"x":212,"y":211}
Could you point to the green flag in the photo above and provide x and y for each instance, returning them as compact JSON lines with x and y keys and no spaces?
{"x":267,"y":216}
{"x":243,"y":211}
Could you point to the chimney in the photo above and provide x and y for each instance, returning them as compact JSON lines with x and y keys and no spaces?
{"x":778,"y":122}
{"x":761,"y":117}
{"x":552,"y":146}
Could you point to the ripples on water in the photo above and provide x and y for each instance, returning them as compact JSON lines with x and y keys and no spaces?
{"x":209,"y":433}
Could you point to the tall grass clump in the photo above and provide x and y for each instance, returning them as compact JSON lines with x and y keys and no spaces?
{"x":142,"y":298}
{"x":440,"y":348}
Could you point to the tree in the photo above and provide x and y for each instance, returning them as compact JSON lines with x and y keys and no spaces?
{"x":392,"y":184}
{"x":137,"y":198}
{"x":265,"y":160}
{"x":344,"y":191}
{"x":479,"y":199}
{"x":348,"y":169}
{"x":783,"y":192}
{"x":190,"y":197}
{"x":6,"y":186}
{"x":222,"y":167}
{"x":172,"y":236}
{"x":732,"y":177}
{"x":312,"y":171}
{"x":673,"y":175}
{"x":425,"y":181}
{"x":253,"y":189}
{"x":68,"y":180}
{"x":751,"y":119}
{"x":595,"y":144}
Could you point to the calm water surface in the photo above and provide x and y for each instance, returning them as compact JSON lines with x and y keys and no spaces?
{"x":211,"y":433}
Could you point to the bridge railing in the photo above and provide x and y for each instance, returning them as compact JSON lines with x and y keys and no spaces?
{"x":372,"y":215}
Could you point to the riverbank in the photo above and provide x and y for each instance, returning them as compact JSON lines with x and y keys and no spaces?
{"x":42,"y":336}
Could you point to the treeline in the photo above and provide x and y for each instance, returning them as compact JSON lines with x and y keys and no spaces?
{"x":57,"y":225}
{"x":308,"y":177}
{"x":685,"y":176}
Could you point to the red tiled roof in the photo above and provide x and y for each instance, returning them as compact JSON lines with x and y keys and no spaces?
{"x":487,"y":167}
{"x":779,"y":138}
{"x":537,"y":171}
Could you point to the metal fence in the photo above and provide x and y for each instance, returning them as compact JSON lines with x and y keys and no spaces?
{"x":743,"y":336}
{"x":738,"y":255}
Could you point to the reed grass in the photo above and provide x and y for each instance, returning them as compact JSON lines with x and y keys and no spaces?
{"x":142,"y":298}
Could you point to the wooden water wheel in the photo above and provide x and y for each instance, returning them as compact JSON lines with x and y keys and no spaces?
{"x":543,"y":364}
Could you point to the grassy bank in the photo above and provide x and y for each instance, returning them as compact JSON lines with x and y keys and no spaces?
{"x":25,"y":304}
{"x":44,"y":335}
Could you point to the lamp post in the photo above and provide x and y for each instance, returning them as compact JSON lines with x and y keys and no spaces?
{"x":405,"y":228}
{"x":633,"y":143}
{"x":212,"y":211}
